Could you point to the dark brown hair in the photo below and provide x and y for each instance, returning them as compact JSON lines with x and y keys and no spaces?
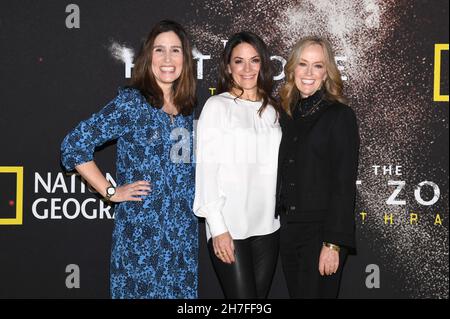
{"x":143,"y":79}
{"x":265,"y":76}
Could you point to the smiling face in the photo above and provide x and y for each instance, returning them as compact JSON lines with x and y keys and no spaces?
{"x":244,"y":67}
{"x":310,"y":72}
{"x":167,"y":58}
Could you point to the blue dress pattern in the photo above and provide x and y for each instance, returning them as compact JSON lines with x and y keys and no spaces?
{"x":155,"y":242}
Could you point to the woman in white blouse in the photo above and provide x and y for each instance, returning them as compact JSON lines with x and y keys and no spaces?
{"x":238,"y":137}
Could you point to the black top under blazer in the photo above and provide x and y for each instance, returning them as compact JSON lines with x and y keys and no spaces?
{"x":317,"y":167}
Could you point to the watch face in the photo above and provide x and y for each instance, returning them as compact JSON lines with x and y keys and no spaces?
{"x":111,"y":190}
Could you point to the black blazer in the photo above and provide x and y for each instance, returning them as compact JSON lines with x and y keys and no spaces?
{"x":317,"y":170}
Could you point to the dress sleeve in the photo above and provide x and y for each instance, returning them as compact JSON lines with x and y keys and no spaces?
{"x":116,"y":119}
{"x":209,"y":201}
{"x":344,"y":147}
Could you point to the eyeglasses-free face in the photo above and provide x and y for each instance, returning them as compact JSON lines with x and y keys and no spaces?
{"x":244,"y":67}
{"x":310,"y":72}
{"x":167,"y":58}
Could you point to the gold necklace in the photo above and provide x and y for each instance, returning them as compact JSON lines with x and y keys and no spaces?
{"x":313,"y":109}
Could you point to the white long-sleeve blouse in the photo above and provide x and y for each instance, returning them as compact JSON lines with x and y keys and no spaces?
{"x":236,"y":170}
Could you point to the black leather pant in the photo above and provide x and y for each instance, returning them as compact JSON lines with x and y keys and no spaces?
{"x":250,"y":276}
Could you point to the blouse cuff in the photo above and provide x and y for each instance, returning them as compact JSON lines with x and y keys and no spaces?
{"x":216,"y":224}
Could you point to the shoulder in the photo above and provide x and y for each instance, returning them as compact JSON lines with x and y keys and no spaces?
{"x":271,"y":114}
{"x":215,"y":111}
{"x":128,"y":96}
{"x":342,"y":118}
{"x":216,"y":104}
{"x":220,"y":100}
{"x":342,"y":111}
{"x":284,"y":117}
{"x":128,"y":102}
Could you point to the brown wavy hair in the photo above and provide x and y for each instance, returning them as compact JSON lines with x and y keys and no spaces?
{"x":143,"y":79}
{"x":333,"y":85}
{"x":265,"y":75}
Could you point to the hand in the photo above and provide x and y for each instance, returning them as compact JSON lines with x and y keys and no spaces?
{"x":328,"y":261}
{"x":131,"y":192}
{"x":224,"y":247}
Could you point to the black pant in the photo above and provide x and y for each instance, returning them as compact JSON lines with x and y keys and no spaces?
{"x":250,"y":276}
{"x":300,"y":246}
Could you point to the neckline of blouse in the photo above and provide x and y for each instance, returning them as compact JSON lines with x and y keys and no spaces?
{"x":241,"y":99}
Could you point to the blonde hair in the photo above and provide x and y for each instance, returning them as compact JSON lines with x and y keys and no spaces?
{"x":333,"y":85}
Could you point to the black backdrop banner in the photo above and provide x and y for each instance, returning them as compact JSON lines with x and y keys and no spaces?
{"x":62,"y":61}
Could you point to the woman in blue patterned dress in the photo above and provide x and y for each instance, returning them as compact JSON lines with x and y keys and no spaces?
{"x":154,"y":245}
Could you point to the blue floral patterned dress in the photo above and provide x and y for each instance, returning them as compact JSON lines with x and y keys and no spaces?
{"x":155,"y":242}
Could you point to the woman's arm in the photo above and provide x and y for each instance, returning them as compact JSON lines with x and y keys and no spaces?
{"x":339,"y":225}
{"x":344,"y":148}
{"x":209,"y":201}
{"x":92,"y":174}
{"x":116,"y":119}
{"x":129,"y":192}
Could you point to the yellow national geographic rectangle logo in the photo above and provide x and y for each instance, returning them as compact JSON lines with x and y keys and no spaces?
{"x":437,"y":97}
{"x":18,"y":219}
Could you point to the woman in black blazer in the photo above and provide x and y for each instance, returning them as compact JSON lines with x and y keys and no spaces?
{"x":317,"y":171}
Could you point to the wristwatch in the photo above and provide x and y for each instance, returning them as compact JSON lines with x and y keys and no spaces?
{"x":110,"y":191}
